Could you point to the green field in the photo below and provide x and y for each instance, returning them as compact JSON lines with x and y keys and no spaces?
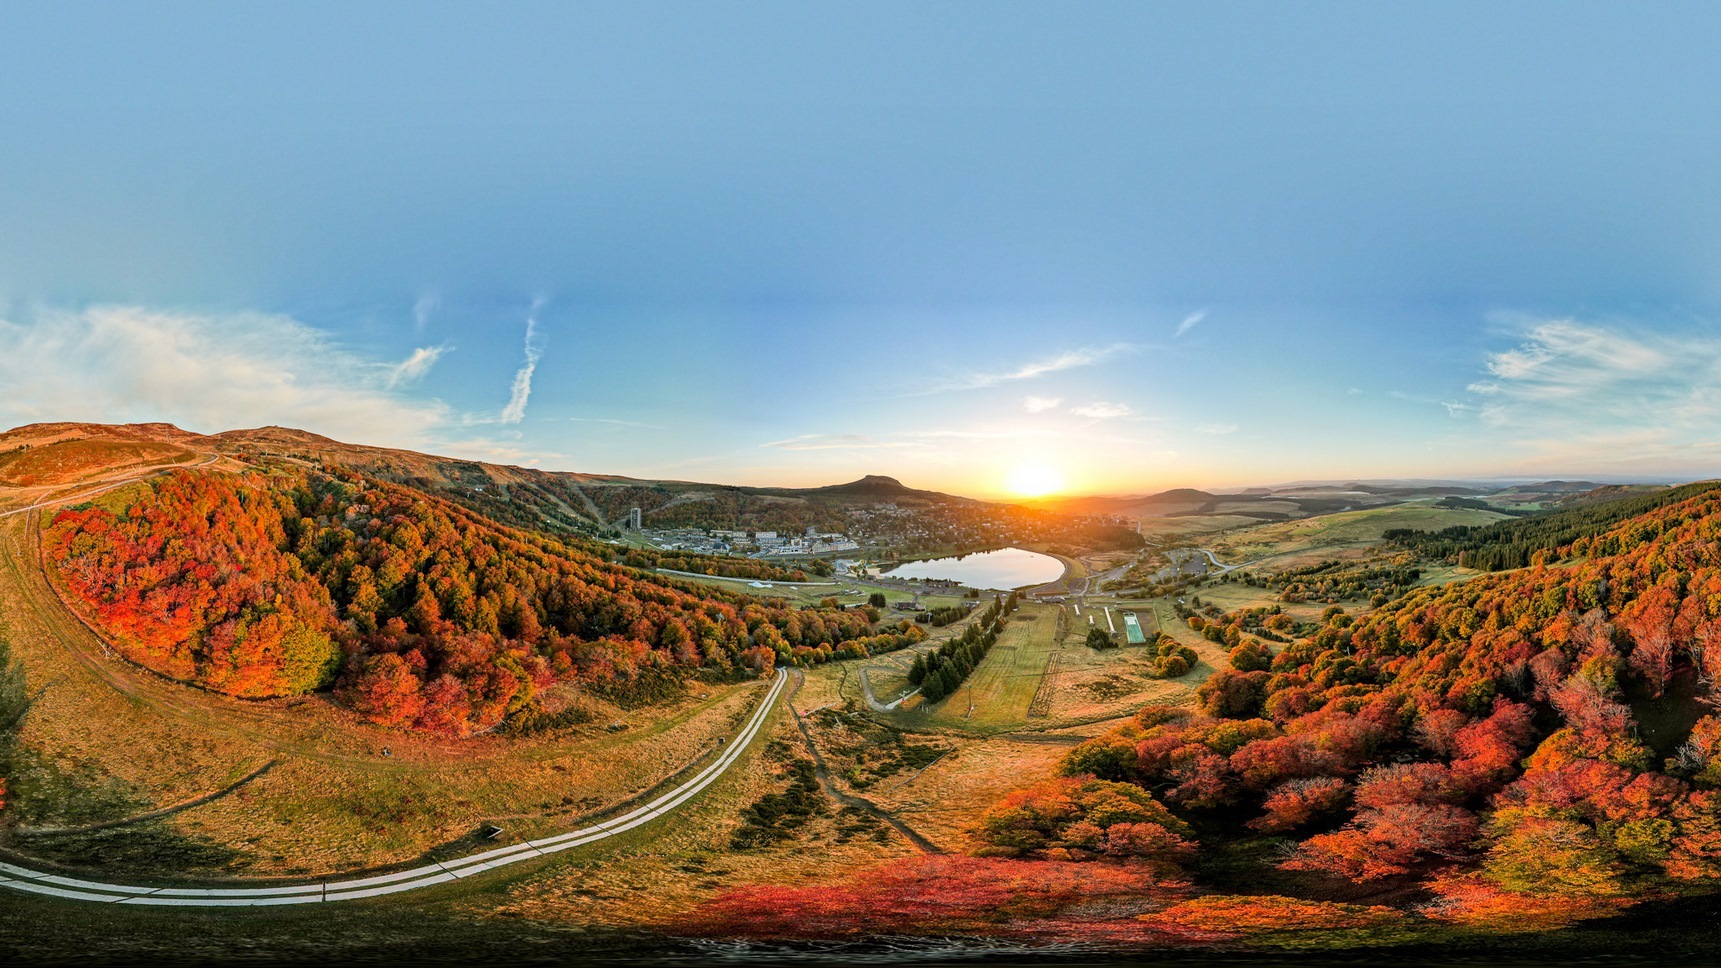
{"x":1086,"y":685}
{"x":848,"y":591}
{"x":1003,"y":686}
{"x":1282,"y":544}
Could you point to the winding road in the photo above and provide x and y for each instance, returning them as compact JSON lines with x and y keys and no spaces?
{"x":438,"y":872}
{"x":1218,"y":567}
{"x":848,"y":799}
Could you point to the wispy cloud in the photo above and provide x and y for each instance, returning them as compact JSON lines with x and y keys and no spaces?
{"x":834,"y":442}
{"x":206,"y":372}
{"x":414,"y":367}
{"x":1564,"y":366}
{"x":1066,"y":360}
{"x":1218,"y":428}
{"x":1040,"y":404}
{"x":1564,"y":359}
{"x":1189,"y":322}
{"x":521,"y":391}
{"x":1569,"y":386}
{"x":421,"y":311}
{"x":1102,"y":410}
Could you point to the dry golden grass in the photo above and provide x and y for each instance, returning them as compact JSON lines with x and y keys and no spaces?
{"x":1346,"y":534}
{"x":670,"y":869}
{"x":949,"y":797}
{"x":1088,"y":685}
{"x":105,"y":740}
{"x":70,"y":461}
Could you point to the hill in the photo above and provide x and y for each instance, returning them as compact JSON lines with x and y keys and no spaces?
{"x":416,"y":611}
{"x":1607,"y":492}
{"x":1520,"y":542}
{"x":59,"y":453}
{"x":1146,"y":505}
{"x":871,"y":488}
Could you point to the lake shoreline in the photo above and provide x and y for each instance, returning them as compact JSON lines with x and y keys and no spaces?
{"x":1007,"y":568}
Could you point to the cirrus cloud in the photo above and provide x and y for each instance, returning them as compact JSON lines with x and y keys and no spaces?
{"x":1565,"y":369}
{"x":1102,"y":410}
{"x":206,"y":372}
{"x":1057,"y":362}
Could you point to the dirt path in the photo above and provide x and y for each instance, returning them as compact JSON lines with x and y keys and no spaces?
{"x":32,"y":598}
{"x":848,"y":799}
{"x":872,"y":701}
{"x":52,"y":502}
{"x":152,"y":814}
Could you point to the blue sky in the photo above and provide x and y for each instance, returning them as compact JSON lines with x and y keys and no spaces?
{"x":1152,"y":245}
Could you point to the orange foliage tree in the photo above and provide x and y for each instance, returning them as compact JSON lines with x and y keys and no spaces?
{"x":420,"y":612}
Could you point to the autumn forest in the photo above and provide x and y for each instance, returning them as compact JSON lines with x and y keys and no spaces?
{"x":418,"y":613}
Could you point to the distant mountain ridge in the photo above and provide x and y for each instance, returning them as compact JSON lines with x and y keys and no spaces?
{"x":57,"y":453}
{"x":874,"y":487}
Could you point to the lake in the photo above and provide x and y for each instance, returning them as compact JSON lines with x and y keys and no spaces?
{"x":1004,"y":568}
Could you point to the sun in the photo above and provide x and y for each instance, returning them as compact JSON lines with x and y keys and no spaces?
{"x":1034,"y":480}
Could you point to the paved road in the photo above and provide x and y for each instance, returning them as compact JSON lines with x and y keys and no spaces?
{"x":37,"y":882}
{"x":1218,"y":567}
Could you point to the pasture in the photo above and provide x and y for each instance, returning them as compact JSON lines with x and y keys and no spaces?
{"x":1288,"y":544}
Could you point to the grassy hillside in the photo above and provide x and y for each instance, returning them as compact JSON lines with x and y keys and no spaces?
{"x":1515,"y":543}
{"x":418,"y":612}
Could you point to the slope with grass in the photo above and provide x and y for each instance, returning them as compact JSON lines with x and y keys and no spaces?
{"x":420,"y":613}
{"x":441,"y":871}
{"x":300,"y":785}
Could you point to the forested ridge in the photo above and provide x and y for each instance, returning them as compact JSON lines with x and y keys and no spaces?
{"x":1516,"y":543}
{"x":420,"y":613}
{"x":712,"y":506}
{"x":1544,"y":742}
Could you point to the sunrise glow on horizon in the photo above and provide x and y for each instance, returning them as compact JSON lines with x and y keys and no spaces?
{"x":1144,"y":257}
{"x":1034,"y":480}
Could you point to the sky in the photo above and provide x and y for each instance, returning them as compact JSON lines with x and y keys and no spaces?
{"x":1142,"y":245}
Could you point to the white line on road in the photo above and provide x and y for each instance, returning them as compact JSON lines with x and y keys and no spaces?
{"x":437,"y":872}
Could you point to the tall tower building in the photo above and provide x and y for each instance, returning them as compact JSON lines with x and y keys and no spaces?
{"x":633,"y":519}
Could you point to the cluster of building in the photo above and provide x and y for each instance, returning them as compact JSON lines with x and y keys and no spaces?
{"x":755,"y":544}
{"x":814,"y":542}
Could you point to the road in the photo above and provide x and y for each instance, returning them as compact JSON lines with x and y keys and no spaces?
{"x":872,"y":701}
{"x":104,"y":488}
{"x":1218,"y":568}
{"x":439,"y":872}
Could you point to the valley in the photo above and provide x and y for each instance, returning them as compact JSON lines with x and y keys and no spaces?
{"x":704,"y":781}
